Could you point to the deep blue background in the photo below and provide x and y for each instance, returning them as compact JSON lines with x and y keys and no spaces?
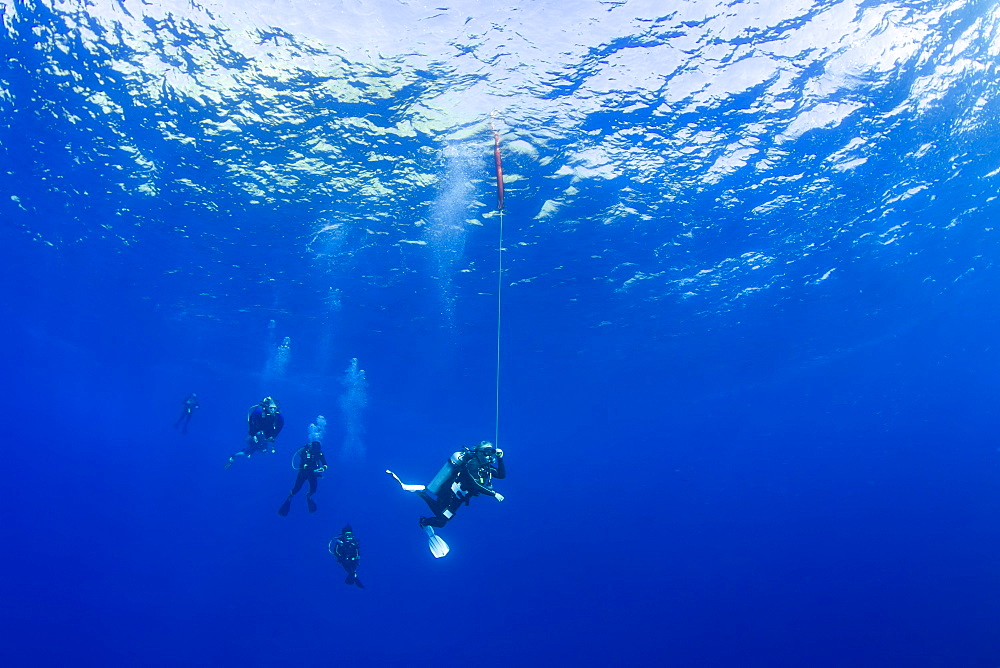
{"x":693,"y":504}
{"x":804,"y":478}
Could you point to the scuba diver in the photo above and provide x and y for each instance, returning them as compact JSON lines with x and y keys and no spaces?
{"x":312,"y":466}
{"x":467,"y":474}
{"x":190,"y":404}
{"x":264,"y":423}
{"x":348,"y":554}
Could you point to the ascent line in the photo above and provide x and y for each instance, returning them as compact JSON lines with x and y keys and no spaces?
{"x":499,"y":166}
{"x":496,"y":159}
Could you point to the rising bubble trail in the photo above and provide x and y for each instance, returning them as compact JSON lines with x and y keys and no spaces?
{"x":353,"y":401}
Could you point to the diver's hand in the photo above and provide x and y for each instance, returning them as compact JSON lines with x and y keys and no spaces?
{"x":498,"y":496}
{"x":499,"y":452}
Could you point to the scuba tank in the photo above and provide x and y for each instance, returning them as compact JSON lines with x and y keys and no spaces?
{"x":446,"y":474}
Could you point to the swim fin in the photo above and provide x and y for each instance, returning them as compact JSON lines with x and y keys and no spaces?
{"x":435,"y":543}
{"x":312,"y":505}
{"x":283,"y":510}
{"x":407,"y":488}
{"x":228,"y":464}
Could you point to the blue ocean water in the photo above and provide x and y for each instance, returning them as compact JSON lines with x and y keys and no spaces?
{"x":748,"y":362}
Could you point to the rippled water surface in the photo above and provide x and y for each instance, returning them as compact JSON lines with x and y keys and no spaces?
{"x":745,"y":301}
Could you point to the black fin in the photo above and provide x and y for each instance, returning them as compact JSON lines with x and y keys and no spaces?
{"x":312,"y":505}
{"x":283,"y":510}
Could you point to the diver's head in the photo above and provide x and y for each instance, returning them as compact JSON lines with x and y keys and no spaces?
{"x":315,"y":445}
{"x":269,"y":405}
{"x":484,"y":453}
{"x":346,"y":529}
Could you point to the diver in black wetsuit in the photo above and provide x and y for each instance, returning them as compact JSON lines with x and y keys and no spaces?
{"x":190,"y":404}
{"x":473,"y":475}
{"x":312,"y":465}
{"x":345,"y":548}
{"x":264,"y":423}
{"x":466,"y":474}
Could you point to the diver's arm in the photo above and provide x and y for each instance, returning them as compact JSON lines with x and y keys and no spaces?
{"x":487,"y":491}
{"x":476,"y":488}
{"x":501,"y":470}
{"x":484,"y":490}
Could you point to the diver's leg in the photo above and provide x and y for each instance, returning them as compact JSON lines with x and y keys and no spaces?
{"x":312,"y":490}
{"x":454,"y":503}
{"x":351,"y":570}
{"x":354,"y":575}
{"x":254,"y":443}
{"x":434,"y":504}
{"x":444,"y":510}
{"x":299,"y":481}
{"x":436,"y":522}
{"x":287,"y":504}
{"x":233,"y":458}
{"x":440,"y":508}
